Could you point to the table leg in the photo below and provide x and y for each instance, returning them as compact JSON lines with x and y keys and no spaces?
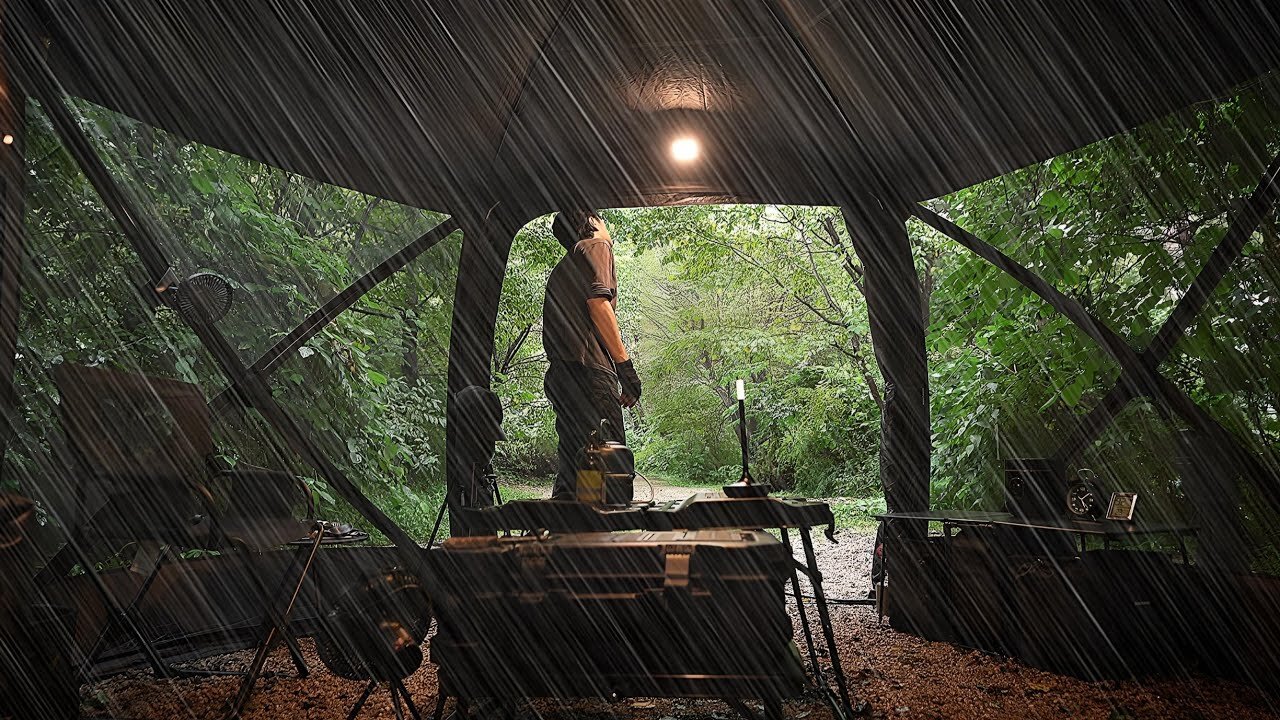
{"x":268,"y":597}
{"x":884,"y":572}
{"x":395,"y":703}
{"x":820,"y":599}
{"x":408,"y":700}
{"x":279,"y":626}
{"x":112,"y":623}
{"x":364,"y":697}
{"x":804,"y":615}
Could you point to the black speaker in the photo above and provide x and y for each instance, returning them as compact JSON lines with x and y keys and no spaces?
{"x":1034,"y":489}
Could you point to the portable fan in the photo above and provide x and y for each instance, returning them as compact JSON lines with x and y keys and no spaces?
{"x":203,"y":295}
{"x":374,"y":632}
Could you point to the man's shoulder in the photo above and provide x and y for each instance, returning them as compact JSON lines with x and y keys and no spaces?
{"x":593,"y":244}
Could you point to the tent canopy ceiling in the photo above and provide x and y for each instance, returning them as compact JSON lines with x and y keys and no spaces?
{"x":435,"y":103}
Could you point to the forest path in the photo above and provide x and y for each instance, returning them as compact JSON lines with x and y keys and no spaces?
{"x":663,"y":490}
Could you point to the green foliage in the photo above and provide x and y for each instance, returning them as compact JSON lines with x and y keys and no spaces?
{"x":1122,"y":226}
{"x":727,"y":295}
{"x":368,"y":387}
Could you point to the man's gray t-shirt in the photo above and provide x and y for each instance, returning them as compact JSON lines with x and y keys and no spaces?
{"x":585,"y":272}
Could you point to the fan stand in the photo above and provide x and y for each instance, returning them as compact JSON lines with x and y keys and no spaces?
{"x":398,"y":691}
{"x":746,"y":487}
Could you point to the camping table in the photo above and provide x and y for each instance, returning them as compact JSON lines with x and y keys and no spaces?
{"x":305,"y":550}
{"x":696,"y":512}
{"x":1109,"y":530}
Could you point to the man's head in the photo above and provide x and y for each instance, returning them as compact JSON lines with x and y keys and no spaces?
{"x":570,"y":226}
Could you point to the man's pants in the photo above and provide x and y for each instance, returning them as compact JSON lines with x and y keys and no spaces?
{"x":582,"y":397}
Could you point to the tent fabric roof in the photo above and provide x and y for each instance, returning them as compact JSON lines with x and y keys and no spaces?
{"x":436,"y":103}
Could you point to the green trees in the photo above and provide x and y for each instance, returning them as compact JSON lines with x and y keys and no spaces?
{"x":1123,"y":226}
{"x":369,"y":387}
{"x":770,"y":295}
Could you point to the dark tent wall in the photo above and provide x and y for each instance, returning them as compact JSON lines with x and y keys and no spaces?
{"x":523,"y":102}
{"x":495,"y":112}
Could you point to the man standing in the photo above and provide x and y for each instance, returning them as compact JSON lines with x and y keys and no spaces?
{"x":583,"y":344}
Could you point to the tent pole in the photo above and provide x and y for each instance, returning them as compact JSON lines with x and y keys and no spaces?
{"x":327,"y":313}
{"x":1066,"y":306}
{"x":40,"y":82}
{"x":1256,"y":207}
{"x":486,"y":247}
{"x":1134,"y":373}
{"x":879,"y":235}
{"x":896,"y":313}
{"x":13,"y":104}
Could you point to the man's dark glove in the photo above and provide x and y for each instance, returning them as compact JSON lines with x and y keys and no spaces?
{"x":629,"y":380}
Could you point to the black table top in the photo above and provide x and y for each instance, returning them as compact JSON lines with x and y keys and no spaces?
{"x":701,"y":510}
{"x":1101,"y":528}
{"x":949,"y":516}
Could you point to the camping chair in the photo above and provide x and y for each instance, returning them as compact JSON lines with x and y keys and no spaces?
{"x":147,"y":444}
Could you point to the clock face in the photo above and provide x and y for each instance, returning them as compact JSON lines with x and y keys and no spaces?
{"x":1082,"y":502}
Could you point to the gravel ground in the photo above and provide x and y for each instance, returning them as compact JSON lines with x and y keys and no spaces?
{"x":898,"y":675}
{"x":662,"y":491}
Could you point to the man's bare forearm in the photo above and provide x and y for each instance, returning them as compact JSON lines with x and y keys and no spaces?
{"x":606,"y":324}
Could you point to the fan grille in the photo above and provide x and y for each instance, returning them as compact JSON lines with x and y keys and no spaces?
{"x":204,"y":296}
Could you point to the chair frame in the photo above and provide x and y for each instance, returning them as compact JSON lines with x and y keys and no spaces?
{"x":184,"y":461}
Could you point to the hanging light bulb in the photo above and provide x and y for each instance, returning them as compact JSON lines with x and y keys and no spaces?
{"x":685,"y":149}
